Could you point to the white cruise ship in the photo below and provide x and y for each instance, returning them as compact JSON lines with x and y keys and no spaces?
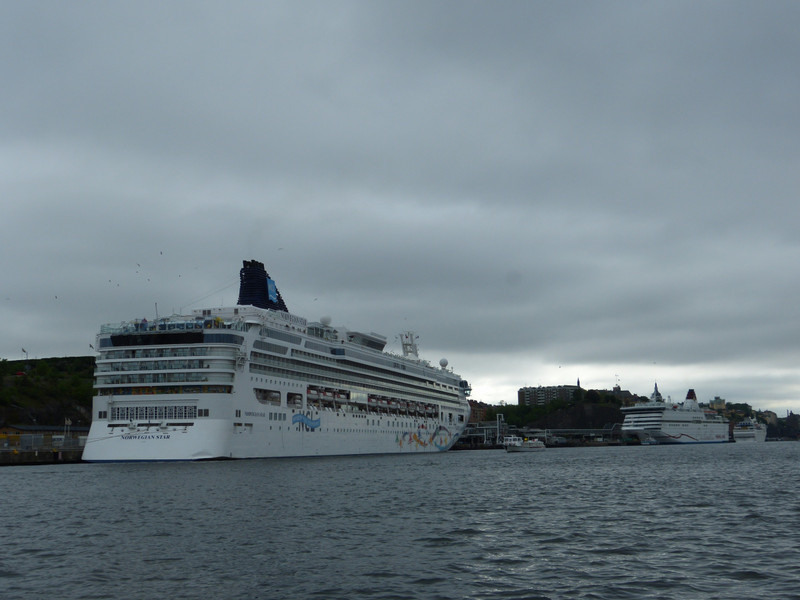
{"x":659,"y":422}
{"x":749,"y":430}
{"x":253,"y":381}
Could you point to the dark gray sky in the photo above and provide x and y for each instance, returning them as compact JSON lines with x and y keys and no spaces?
{"x":543,"y":191}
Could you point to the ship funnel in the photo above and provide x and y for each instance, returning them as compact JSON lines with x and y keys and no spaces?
{"x":257,"y":289}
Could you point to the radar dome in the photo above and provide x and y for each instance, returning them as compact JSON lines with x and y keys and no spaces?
{"x":326,"y":320}
{"x":443,"y":363}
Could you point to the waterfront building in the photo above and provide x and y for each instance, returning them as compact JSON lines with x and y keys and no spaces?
{"x":717,"y":403}
{"x":543,"y":395}
{"x":477,"y":411}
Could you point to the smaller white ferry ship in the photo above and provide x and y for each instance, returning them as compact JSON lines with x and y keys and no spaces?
{"x":660,"y":422}
{"x":749,"y":430}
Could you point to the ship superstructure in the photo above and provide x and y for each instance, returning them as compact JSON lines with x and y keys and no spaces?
{"x":657,"y":421}
{"x":254,"y":380}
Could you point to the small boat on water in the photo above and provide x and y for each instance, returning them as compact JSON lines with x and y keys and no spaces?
{"x":514,"y":443}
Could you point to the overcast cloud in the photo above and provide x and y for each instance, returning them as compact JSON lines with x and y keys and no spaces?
{"x":543,"y":191}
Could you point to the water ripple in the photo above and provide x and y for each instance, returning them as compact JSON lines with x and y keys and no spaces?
{"x":702,"y":522}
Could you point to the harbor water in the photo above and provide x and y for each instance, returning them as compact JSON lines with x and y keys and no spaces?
{"x":666,"y":522}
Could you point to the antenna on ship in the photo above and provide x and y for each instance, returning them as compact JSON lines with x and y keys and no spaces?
{"x":409,"y":342}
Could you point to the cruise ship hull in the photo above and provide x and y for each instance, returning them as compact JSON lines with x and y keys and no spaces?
{"x":156,"y":443}
{"x":680,"y":433}
{"x":279,"y":432}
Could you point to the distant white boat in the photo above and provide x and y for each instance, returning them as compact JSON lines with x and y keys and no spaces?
{"x":514,"y":443}
{"x":749,"y":431}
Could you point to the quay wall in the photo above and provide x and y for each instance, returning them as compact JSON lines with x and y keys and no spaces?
{"x":40,"y":456}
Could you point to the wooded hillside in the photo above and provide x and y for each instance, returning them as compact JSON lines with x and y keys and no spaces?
{"x":46,"y":391}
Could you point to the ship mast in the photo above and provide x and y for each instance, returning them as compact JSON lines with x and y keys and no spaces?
{"x":409,"y":341}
